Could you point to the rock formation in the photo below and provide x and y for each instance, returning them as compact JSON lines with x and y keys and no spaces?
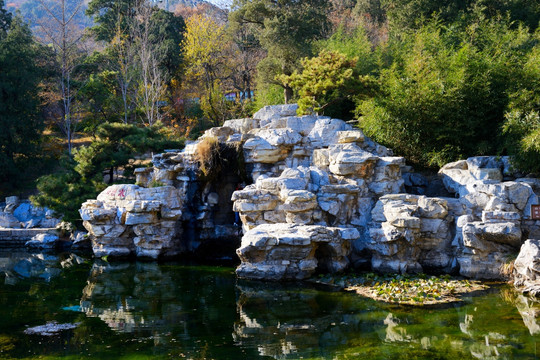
{"x":22,"y":223}
{"x":19,"y":214}
{"x":320,"y":196}
{"x":130,"y":220}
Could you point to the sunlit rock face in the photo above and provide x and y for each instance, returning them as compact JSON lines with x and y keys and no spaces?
{"x":410,"y":233}
{"x":313,"y":177}
{"x":130,"y":220}
{"x":306,"y":248}
{"x":497,"y":216}
{"x":315,"y":182}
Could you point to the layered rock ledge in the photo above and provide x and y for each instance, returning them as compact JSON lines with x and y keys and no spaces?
{"x":129,"y":220}
{"x":320,"y":196}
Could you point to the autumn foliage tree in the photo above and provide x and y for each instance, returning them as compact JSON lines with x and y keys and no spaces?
{"x":205,"y":48}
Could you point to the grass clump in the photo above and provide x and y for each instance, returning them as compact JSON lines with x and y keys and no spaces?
{"x":155,"y":184}
{"x":216,"y":158}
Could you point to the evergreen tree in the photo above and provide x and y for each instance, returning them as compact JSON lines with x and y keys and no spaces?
{"x":109,"y":16}
{"x":286,"y":29}
{"x":5,"y":19}
{"x":167,"y":30}
{"x":83,"y":176}
{"x":20,"y":118}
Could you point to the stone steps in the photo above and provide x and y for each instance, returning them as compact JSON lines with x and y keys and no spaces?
{"x":16,"y":238}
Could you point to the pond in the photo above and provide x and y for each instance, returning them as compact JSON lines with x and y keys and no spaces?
{"x":150,"y":310}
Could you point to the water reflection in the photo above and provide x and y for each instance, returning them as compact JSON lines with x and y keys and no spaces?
{"x":131,"y":297}
{"x":287,"y":322}
{"x":185,"y":309}
{"x":529,"y":310}
{"x":170,"y":310}
{"x":23,"y":265}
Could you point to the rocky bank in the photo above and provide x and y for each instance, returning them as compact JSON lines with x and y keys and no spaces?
{"x":320,"y":197}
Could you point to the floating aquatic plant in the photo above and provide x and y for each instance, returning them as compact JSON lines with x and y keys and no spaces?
{"x":419,"y":289}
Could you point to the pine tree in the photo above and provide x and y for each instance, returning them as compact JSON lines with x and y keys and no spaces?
{"x":20,"y":118}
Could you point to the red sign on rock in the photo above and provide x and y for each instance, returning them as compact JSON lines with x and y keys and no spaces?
{"x":535,"y":212}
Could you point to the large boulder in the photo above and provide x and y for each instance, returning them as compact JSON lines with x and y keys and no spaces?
{"x":130,"y":220}
{"x":409,"y":233}
{"x":8,"y":220}
{"x":293,"y":252}
{"x":527,"y":268}
{"x":43,"y":241}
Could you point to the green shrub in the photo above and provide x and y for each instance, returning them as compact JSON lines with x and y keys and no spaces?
{"x":446,"y":93}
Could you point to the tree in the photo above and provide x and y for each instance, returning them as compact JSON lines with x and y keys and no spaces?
{"x":99,"y":97}
{"x":111,"y":16}
{"x":286,"y":29}
{"x":167,"y":33}
{"x":5,"y":19}
{"x":205,"y":45}
{"x":445,"y":95}
{"x":326,"y":80}
{"x":522,"y":121}
{"x":82,"y":176}
{"x":413,"y":14}
{"x":64,"y":37}
{"x":20,"y":118}
{"x":152,"y":84}
{"x":122,"y":59}
{"x":246,"y":55}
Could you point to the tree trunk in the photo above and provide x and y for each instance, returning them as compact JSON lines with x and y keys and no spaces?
{"x":288,"y":91}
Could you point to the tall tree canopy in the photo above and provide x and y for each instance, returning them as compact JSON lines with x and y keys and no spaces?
{"x":111,"y":15}
{"x":167,"y":30}
{"x":286,"y":29}
{"x":20,"y":118}
{"x":5,"y":18}
{"x":407,"y":14}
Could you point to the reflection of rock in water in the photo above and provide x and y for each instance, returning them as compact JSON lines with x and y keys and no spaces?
{"x":529,"y":310}
{"x":282,"y":320}
{"x":393,"y":331}
{"x":44,"y":266}
{"x":130,"y":297}
{"x":288,"y":322}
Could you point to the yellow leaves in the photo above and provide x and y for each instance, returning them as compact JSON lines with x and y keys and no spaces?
{"x":204,"y":43}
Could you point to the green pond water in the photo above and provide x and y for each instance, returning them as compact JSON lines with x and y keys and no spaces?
{"x":150,"y":310}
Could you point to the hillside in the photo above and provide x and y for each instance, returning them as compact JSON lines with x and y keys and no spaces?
{"x":33,"y":11}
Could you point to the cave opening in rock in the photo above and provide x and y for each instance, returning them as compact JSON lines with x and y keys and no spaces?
{"x":323,"y":255}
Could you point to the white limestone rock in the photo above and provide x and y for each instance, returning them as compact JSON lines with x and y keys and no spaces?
{"x":350,"y":136}
{"x":326,"y":131}
{"x":301,"y":124}
{"x":275,"y":111}
{"x":527,"y":268}
{"x":43,"y":241}
{"x":11,"y":204}
{"x":121,"y":211}
{"x":351,"y":160}
{"x":290,"y":251}
{"x":7,"y":220}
